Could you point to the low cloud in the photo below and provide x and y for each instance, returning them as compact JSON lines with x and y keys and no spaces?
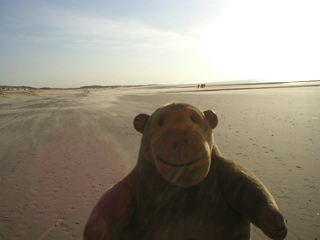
{"x":44,"y":24}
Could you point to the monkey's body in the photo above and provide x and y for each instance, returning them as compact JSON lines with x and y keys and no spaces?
{"x":150,"y":205}
{"x":163,"y":210}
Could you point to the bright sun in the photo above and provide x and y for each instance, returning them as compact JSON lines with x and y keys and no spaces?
{"x":270,"y":43}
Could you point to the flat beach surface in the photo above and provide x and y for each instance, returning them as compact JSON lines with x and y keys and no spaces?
{"x":60,"y":150}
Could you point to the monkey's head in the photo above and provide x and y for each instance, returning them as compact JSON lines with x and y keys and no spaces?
{"x":178,"y":140}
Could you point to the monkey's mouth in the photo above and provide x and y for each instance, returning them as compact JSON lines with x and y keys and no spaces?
{"x":182,"y":164}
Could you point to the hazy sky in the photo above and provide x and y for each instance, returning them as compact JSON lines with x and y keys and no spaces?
{"x":75,"y":43}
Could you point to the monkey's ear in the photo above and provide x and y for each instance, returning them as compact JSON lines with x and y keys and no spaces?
{"x":212,"y":118}
{"x":140,"y":121}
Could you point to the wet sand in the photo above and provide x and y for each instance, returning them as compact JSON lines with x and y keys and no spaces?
{"x":60,"y":150}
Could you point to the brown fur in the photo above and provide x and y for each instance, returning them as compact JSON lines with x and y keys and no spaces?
{"x":183,"y":188}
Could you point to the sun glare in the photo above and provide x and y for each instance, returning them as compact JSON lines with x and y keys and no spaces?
{"x":271,"y":44}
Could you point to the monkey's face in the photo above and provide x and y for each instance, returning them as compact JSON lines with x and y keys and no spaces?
{"x":180,"y":138}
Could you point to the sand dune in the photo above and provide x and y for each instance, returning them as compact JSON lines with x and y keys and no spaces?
{"x":60,"y":150}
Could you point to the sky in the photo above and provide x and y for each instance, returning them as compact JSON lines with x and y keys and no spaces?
{"x":78,"y":43}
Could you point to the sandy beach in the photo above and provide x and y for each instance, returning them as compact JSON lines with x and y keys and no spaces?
{"x":60,"y":150}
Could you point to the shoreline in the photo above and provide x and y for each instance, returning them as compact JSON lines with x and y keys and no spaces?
{"x":232,"y":85}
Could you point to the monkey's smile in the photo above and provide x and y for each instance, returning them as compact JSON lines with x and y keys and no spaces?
{"x":179,"y":165}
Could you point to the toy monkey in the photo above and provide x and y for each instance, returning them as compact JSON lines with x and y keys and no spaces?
{"x":182,"y":188}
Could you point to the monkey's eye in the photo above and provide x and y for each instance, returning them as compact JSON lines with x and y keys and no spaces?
{"x":193,"y":119}
{"x":160,"y":122}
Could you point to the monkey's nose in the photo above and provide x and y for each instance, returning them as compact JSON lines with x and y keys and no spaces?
{"x":180,"y":144}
